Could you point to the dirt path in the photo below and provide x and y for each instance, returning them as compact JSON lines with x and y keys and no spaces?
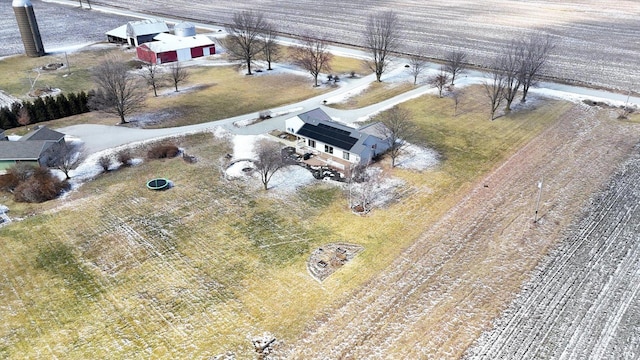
{"x":446,"y":288}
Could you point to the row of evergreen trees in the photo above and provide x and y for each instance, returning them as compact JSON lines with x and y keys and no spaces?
{"x":43,"y":109}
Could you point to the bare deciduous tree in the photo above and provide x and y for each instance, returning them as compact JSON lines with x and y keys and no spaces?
{"x":269,"y":160}
{"x":24,"y":118}
{"x":494,"y":88}
{"x":244,"y":37}
{"x":381,"y":38}
{"x":66,"y":157}
{"x":312,"y":56}
{"x":417,"y":64}
{"x":152,"y":74}
{"x":398,"y":129}
{"x":537,"y":50}
{"x":511,"y":64}
{"x":455,"y":64}
{"x":178,"y":74}
{"x":119,"y":91}
{"x":439,"y":80}
{"x":362,"y":188}
{"x":271,"y":50}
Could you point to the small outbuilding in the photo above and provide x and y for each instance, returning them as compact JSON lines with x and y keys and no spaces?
{"x":168,"y":48}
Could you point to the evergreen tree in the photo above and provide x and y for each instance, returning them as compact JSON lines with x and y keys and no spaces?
{"x":74,"y":109}
{"x":52,"y":108}
{"x":63,"y":105}
{"x":39,"y":111}
{"x":83,"y":102}
{"x":7,"y":120}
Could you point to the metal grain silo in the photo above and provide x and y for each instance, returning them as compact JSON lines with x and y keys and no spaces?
{"x":184,"y":29}
{"x":28,"y":28}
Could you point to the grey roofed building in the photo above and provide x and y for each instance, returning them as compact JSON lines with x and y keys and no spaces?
{"x":23,"y":150}
{"x":319,"y":134}
{"x":43,"y":133}
{"x":36,"y":147}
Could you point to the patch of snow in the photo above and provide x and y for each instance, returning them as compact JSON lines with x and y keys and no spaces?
{"x":236,"y":171}
{"x":14,"y":137}
{"x":243,"y":146}
{"x":290,"y":178}
{"x":415,"y":157}
{"x":347,"y":95}
{"x":220,"y":133}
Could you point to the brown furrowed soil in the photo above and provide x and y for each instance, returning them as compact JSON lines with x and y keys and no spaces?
{"x":447,"y":287}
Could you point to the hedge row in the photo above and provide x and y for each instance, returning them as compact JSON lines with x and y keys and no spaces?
{"x":44,"y":109}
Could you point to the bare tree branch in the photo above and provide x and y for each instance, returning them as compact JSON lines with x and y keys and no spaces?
{"x":455,"y":64}
{"x":66,"y":157}
{"x":537,"y":50}
{"x":119,"y":91}
{"x":244,"y":37}
{"x":511,"y":64}
{"x":271,"y":50}
{"x":313,"y":56}
{"x":178,"y":74}
{"x":398,"y":129}
{"x":381,"y":38}
{"x":152,"y":75}
{"x":494,"y":87}
{"x":269,"y":160}
{"x":439,"y":80}
{"x":417,"y":64}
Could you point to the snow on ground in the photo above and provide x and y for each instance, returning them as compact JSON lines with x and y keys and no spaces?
{"x":415,"y":157}
{"x":243,"y":146}
{"x":286,"y":179}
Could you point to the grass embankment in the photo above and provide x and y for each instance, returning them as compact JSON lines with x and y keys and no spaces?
{"x":195,"y":270}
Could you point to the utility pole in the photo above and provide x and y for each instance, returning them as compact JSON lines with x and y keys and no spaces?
{"x":535,"y":217}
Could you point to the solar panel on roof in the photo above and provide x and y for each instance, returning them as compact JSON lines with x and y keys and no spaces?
{"x":328,"y":135}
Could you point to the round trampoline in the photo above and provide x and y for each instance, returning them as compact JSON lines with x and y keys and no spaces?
{"x":158,"y":184}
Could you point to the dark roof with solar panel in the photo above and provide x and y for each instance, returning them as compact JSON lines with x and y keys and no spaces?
{"x":329,"y":135}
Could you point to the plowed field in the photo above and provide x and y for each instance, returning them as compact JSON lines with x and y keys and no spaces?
{"x":596,"y":40}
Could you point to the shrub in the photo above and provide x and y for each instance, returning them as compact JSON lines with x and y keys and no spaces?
{"x":266,"y":114}
{"x":41,"y":186}
{"x":104,"y":162}
{"x":163,"y":151}
{"x":21,"y":171}
{"x":125,"y":157}
{"x":8,"y":182}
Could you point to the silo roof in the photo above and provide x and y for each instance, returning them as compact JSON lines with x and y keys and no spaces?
{"x":184,"y":25}
{"x":21,"y":3}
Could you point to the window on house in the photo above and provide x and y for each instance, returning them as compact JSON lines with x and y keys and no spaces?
{"x":312,"y":143}
{"x":328,"y":149}
{"x":345,"y":155}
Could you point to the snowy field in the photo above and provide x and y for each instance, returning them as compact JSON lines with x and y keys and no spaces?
{"x":595,"y":39}
{"x":584,"y":303}
{"x":61,"y":27}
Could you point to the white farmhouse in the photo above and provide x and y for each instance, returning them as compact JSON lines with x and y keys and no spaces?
{"x":334,"y":144}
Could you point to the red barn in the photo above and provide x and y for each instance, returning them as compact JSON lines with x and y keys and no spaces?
{"x":169,"y":48}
